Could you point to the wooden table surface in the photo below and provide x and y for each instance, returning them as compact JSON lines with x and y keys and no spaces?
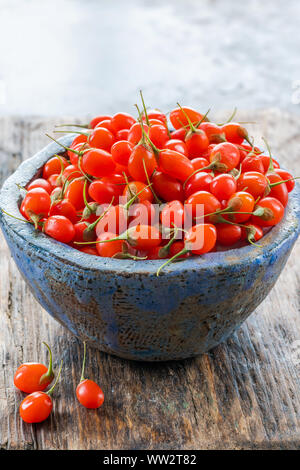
{"x":243,"y":394}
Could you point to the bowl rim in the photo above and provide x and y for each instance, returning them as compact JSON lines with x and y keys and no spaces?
{"x":287,"y":229}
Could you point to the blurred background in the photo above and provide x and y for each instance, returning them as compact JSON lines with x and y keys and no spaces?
{"x":92,"y":56}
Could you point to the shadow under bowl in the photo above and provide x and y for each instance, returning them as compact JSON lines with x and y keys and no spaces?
{"x":121,"y":306}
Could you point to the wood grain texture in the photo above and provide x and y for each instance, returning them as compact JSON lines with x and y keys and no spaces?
{"x":244,"y":394}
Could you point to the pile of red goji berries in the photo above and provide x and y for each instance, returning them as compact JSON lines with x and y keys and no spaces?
{"x":33,"y":378}
{"x":144,"y":178}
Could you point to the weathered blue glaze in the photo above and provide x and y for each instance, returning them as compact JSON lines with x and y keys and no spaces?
{"x":121,"y":307}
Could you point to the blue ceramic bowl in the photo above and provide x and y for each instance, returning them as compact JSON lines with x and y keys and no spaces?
{"x":122,"y":307}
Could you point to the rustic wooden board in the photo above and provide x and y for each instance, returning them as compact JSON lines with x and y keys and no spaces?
{"x":244,"y":394}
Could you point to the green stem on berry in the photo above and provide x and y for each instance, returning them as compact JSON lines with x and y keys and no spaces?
{"x":145,"y":110}
{"x":21,"y":188}
{"x":250,"y":232}
{"x":129,"y":256}
{"x":91,"y":226}
{"x":83,"y":362}
{"x":256,"y":152}
{"x":123,"y":236}
{"x":146,"y":136}
{"x":63,"y":146}
{"x":272,"y":185}
{"x":238,"y":174}
{"x":247,"y":139}
{"x":17,"y":218}
{"x":73,"y":132}
{"x":34,"y":218}
{"x":85,"y":200}
{"x":251,"y":237}
{"x":64,"y":187}
{"x":165,"y":249}
{"x":62,"y":169}
{"x":271,"y":164}
{"x":259,"y":211}
{"x":204,"y":118}
{"x":170,"y":260}
{"x":125,"y":255}
{"x":230,"y":117}
{"x":57,"y":378}
{"x":191,"y":125}
{"x":158,"y":201}
{"x":49,"y":375}
{"x":83,"y":126}
{"x":215,"y":165}
{"x":134,"y":197}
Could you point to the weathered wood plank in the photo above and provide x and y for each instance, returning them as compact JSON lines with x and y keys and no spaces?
{"x":244,"y":394}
